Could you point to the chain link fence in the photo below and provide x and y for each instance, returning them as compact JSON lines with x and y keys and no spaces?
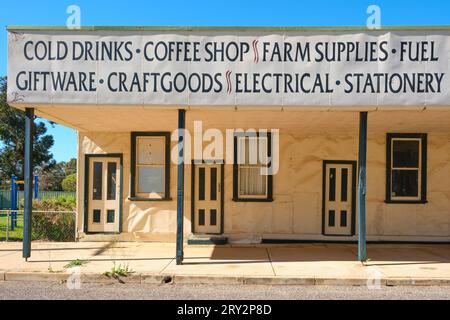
{"x":58,"y":226}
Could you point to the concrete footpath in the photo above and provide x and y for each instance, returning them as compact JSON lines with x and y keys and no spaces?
{"x":308,"y":264}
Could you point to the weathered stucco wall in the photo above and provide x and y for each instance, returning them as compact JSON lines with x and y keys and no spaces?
{"x":297,"y":209}
{"x":424,"y":220}
{"x":306,"y":139}
{"x":141,"y":220}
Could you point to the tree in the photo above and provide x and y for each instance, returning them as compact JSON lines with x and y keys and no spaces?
{"x":70,"y":183}
{"x":51,"y":179}
{"x":70,"y":167}
{"x":12,"y":135}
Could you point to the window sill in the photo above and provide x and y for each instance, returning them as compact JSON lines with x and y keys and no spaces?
{"x":149,"y":199}
{"x":406,"y":201}
{"x":252,"y":200}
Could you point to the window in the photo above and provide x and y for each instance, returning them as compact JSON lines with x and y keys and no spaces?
{"x":150,"y":166}
{"x":251,"y":181}
{"x":111,"y":183}
{"x":98,"y":181}
{"x":110,"y":216}
{"x":406,"y":168}
{"x":96,"y":217}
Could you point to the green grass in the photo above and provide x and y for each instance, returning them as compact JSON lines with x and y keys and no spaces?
{"x":119,"y":271}
{"x":76,"y":263}
{"x":15,"y":235}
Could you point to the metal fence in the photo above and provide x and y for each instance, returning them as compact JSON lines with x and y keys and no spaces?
{"x":5,"y":196}
{"x":58,"y":226}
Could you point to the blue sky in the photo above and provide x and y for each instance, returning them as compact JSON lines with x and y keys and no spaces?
{"x":209,"y":12}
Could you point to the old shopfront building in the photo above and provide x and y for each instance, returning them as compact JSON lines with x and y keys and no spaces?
{"x":353,"y":123}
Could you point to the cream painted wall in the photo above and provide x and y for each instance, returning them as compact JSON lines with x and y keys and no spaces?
{"x":146,"y":220}
{"x":297,"y":208}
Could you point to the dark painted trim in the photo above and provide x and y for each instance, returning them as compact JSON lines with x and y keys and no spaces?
{"x":236,"y":197}
{"x":134,"y":136}
{"x":180,"y":187}
{"x":208,"y":161}
{"x":193,"y":197}
{"x":102,"y":233}
{"x":28,"y":177}
{"x":405,"y":202}
{"x":222,"y":192}
{"x":121,"y":196}
{"x":86,"y":193}
{"x":295,"y":241}
{"x":362,"y":186}
{"x":87,"y":157}
{"x":253,"y":200}
{"x":218,"y":241}
{"x":235,"y":170}
{"x":353,"y":213}
{"x":354,"y":175}
{"x":324,"y":181}
{"x":270,"y":177}
{"x":142,"y":199}
{"x":222,"y":197}
{"x":423,"y":195}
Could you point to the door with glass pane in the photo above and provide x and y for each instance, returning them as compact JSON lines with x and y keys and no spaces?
{"x":339,"y":198}
{"x":207,"y":193}
{"x":103,"y":205}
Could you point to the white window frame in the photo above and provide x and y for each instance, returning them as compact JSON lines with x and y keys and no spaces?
{"x":245,"y":166}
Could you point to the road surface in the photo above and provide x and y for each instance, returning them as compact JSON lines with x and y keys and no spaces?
{"x":42,"y":290}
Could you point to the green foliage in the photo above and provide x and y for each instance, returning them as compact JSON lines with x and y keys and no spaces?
{"x":76,"y":263}
{"x":70,"y":167}
{"x":61,"y":203}
{"x":50,"y":226}
{"x":51,"y":179}
{"x":58,"y":227}
{"x":12,"y":135}
{"x":54,"y":226}
{"x":70,"y":183}
{"x":118,"y":271}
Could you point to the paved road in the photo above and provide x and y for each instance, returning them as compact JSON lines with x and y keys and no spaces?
{"x":40,"y":290}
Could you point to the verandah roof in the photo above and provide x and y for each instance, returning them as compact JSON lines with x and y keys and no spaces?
{"x":232,"y":28}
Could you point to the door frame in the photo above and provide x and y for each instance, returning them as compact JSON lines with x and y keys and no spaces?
{"x":222,"y":192}
{"x":353,"y":214}
{"x":87,"y":158}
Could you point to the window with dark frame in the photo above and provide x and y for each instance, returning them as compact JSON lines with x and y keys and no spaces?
{"x":406,"y":177}
{"x":98,"y":181}
{"x":250,"y":184}
{"x":150,"y":166}
{"x":112,"y":181}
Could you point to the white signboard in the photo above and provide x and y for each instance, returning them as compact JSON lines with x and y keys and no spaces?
{"x":237,"y":69}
